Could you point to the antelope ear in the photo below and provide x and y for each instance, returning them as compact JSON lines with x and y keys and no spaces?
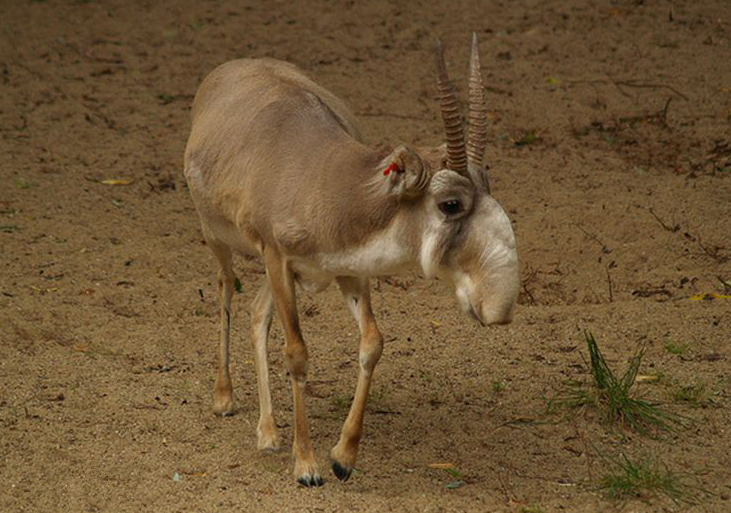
{"x":405,"y":173}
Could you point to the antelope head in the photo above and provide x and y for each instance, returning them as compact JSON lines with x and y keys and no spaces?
{"x":465,"y":236}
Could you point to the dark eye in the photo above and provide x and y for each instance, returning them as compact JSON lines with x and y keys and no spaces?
{"x":450,"y":207}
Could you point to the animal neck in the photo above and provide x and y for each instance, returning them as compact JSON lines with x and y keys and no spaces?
{"x":349,"y":208}
{"x":378,"y":233}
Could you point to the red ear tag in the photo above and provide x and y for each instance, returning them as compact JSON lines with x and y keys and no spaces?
{"x":392,"y":167}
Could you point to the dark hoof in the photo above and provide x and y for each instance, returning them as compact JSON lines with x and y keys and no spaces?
{"x":341,"y":472}
{"x":309,"y":481}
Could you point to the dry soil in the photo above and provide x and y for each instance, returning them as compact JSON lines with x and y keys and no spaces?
{"x":610,"y":149}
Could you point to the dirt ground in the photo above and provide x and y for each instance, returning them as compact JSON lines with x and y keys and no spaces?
{"x":610,"y":147}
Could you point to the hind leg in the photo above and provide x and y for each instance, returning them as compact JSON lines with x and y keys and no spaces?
{"x":261,"y":321}
{"x":223,"y":401}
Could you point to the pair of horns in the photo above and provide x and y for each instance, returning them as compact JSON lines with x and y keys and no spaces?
{"x":465,"y":159}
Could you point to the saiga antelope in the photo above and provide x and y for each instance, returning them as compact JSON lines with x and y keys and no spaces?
{"x":276,"y":168}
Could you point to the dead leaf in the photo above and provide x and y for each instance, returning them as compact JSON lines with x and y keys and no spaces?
{"x":441,"y":466}
{"x":709,"y":297}
{"x":117,"y":181}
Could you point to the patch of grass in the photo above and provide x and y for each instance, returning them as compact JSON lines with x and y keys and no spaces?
{"x":531,"y":509}
{"x":165,"y":98}
{"x":673,"y":348}
{"x":20,"y":183}
{"x":612,"y":395}
{"x":693,"y":394}
{"x":425,"y":376}
{"x":629,"y":478}
{"x":339,"y":404}
{"x":377,"y":398}
{"x":527,"y":139}
{"x":498,"y":386}
{"x":453,"y":472}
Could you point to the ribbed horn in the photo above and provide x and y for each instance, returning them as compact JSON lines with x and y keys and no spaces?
{"x":456,"y":152}
{"x":477,"y":132}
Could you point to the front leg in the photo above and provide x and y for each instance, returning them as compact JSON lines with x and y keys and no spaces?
{"x":281,"y":283}
{"x":357,"y":296}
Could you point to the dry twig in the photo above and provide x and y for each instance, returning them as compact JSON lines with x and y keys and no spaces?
{"x":662,"y":223}
{"x":619,"y":84}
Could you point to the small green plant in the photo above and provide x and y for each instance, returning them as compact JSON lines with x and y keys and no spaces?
{"x":694,"y":394}
{"x":531,"y":509}
{"x":453,"y":472}
{"x":425,"y":376}
{"x":498,"y":386}
{"x":20,"y":183}
{"x":612,"y":395}
{"x":377,"y":398}
{"x":527,"y":139}
{"x":339,"y":404}
{"x":674,"y":348}
{"x":237,"y":285}
{"x":165,"y":98}
{"x":629,"y":478}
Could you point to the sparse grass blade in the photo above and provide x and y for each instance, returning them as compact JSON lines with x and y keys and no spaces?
{"x":695,"y":394}
{"x":629,"y":478}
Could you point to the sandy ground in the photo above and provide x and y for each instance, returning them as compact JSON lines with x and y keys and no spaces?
{"x":610,"y":146}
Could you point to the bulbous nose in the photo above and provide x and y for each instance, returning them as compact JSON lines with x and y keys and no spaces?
{"x":498,"y":307}
{"x":503,"y":314}
{"x":490,"y":312}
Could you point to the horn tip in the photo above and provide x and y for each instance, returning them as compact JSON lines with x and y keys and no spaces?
{"x":475,"y":55}
{"x":439,"y":56}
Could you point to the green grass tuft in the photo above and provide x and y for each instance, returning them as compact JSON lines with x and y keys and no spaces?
{"x":531,"y":509}
{"x":674,"y":348}
{"x":693,"y":394}
{"x":612,"y":395}
{"x":641,"y":478}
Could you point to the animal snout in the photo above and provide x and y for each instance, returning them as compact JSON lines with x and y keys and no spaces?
{"x":491,"y":310}
{"x":492,"y":315}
